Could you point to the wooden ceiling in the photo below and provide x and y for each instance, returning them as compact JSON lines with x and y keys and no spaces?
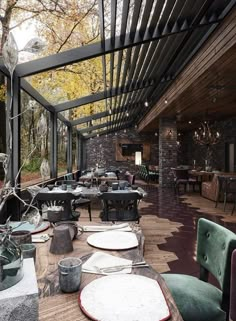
{"x":213,"y":95}
{"x":207,"y":87}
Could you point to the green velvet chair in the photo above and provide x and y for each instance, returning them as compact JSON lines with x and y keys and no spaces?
{"x":196,"y":299}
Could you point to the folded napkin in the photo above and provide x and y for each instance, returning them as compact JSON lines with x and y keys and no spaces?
{"x":101,"y":228}
{"x":104,"y":260}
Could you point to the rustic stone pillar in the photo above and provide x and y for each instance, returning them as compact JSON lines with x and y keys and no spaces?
{"x":167,"y":150}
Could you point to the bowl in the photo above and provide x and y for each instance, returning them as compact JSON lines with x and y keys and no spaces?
{"x":134,"y":187}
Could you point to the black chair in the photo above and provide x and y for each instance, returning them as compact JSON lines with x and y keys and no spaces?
{"x":120,"y":206}
{"x":182,"y":177}
{"x":83,"y":202}
{"x":58,"y":199}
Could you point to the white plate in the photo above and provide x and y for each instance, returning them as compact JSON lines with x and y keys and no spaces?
{"x":113,"y":240}
{"x":124,"y":297}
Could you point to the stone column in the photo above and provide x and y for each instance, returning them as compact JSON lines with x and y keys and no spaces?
{"x":167,"y":150}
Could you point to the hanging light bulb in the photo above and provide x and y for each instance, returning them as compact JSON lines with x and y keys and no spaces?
{"x":97,"y":135}
{"x":146,"y":103}
{"x":124,"y":130}
{"x":136,"y":126}
{"x":110,"y":111}
{"x":156,"y":134}
{"x":166,"y":101}
{"x":127,"y":114}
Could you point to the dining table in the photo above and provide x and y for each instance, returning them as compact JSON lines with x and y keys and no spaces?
{"x":201,"y":176}
{"x":56,"y":305}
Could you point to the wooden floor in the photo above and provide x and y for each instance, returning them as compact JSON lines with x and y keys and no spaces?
{"x":169,"y":224}
{"x":156,"y":230}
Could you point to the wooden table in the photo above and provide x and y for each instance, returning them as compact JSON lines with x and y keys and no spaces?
{"x":201,"y":176}
{"x":54,"y":305}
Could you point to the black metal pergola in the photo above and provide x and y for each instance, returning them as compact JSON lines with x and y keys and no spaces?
{"x":147,"y":47}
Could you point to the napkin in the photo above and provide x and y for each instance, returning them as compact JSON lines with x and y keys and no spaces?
{"x":101,"y":228}
{"x":102,"y":260}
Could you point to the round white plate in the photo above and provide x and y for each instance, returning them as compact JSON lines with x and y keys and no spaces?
{"x":124,"y":297}
{"x":113,"y":240}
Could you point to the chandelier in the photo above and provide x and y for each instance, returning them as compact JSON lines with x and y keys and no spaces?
{"x":206,"y":134}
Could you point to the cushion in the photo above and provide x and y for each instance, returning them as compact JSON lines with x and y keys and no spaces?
{"x":196,"y":300}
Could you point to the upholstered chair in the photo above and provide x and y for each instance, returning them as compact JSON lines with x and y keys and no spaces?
{"x":196,"y":299}
{"x":232,"y":310}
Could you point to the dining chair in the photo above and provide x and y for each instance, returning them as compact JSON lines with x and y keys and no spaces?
{"x":232,"y":309}
{"x":68,"y":176}
{"x":83,"y":202}
{"x":58,"y":199}
{"x":120,"y":206}
{"x":196,"y":299}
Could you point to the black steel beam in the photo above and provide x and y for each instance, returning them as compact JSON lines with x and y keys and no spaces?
{"x":95,"y":116}
{"x":91,"y":128}
{"x":102,"y":95}
{"x":69,"y":149}
{"x":53,"y":144}
{"x":94,"y":50}
{"x":107,"y":131}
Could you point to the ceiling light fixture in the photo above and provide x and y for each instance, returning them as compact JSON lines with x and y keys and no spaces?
{"x":190,"y":122}
{"x":156,"y":134}
{"x":166,"y":101}
{"x":146,"y":103}
{"x":127,"y":114}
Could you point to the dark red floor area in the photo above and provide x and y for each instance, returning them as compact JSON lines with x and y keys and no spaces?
{"x":165,"y":204}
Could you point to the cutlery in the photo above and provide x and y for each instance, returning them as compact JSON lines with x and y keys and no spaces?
{"x":117,"y":268}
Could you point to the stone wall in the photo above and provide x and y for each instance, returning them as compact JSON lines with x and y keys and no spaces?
{"x":102,"y":150}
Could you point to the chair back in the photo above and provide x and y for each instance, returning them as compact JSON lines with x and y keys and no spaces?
{"x":68,"y":176}
{"x":55,"y":199}
{"x":232,"y":310}
{"x":120,"y":206}
{"x":215,"y":245}
{"x":67,"y":182}
{"x":180,"y":173}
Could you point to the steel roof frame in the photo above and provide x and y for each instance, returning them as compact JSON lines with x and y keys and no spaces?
{"x":151,"y":47}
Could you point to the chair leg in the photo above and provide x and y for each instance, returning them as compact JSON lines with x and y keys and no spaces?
{"x":225,"y":201}
{"x":233,"y":207}
{"x":89,"y":211}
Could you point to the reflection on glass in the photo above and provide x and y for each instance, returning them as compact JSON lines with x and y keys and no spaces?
{"x":62,"y":137}
{"x":34,"y":146}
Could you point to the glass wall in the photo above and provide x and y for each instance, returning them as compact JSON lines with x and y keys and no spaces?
{"x":62,"y":139}
{"x":2,"y":125}
{"x":74,"y":151}
{"x":34,"y":138}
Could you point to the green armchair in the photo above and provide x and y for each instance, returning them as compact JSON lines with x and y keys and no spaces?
{"x":196,"y":299}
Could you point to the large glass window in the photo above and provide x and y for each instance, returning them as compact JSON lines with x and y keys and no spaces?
{"x":2,"y":125}
{"x":34,"y":138}
{"x":74,"y":151}
{"x":62,"y":139}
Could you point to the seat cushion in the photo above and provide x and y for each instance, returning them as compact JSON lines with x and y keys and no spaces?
{"x":195,"y":299}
